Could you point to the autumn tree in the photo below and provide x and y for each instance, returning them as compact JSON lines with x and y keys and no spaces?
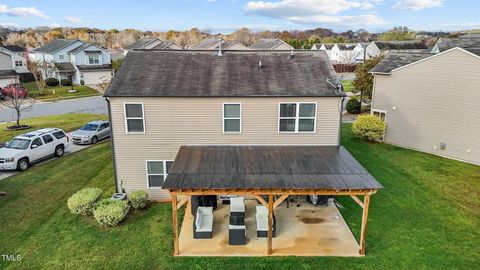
{"x":41,"y":70}
{"x":397,"y":33}
{"x":17,"y":100}
{"x":363,"y":81}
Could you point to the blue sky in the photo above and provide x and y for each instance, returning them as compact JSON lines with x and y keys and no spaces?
{"x":227,"y":15}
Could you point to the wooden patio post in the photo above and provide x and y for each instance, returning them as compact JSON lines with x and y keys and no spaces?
{"x":270,"y":223}
{"x":175,"y":225}
{"x":363,"y":233}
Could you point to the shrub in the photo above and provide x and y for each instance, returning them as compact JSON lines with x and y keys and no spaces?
{"x":368,"y":127}
{"x":51,"y":82}
{"x":83,"y":201}
{"x":109,"y":212}
{"x":82,"y":82}
{"x":353,"y":106}
{"x":139,"y":199}
{"x":66,"y":82}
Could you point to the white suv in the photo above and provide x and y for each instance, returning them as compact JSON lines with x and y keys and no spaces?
{"x":32,"y":147}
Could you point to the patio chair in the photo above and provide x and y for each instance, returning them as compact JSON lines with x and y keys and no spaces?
{"x":203,"y":225}
{"x":237,"y":206}
{"x":237,"y":235}
{"x":261,"y":218}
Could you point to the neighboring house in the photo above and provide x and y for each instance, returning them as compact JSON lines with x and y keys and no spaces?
{"x":19,"y":62}
{"x":342,"y":53}
{"x":76,"y":59}
{"x":199,"y":98}
{"x":214,"y":43}
{"x":271,"y":44}
{"x":152,"y":44}
{"x":467,"y":41}
{"x":377,"y":48}
{"x":12,"y":64}
{"x":429,"y":102}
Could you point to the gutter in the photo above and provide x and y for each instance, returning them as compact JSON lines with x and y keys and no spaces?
{"x":113,"y":147}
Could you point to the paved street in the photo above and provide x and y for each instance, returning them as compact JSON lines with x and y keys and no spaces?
{"x":72,"y":149}
{"x":96,"y":105}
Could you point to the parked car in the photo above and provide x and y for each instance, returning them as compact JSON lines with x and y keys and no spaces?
{"x":92,"y":132}
{"x":26,"y":149}
{"x":10,"y":90}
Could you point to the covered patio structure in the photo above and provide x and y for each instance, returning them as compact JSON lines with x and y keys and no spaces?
{"x":269,"y":172}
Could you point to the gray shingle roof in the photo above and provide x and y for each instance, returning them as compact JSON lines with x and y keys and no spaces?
{"x":14,"y":48}
{"x":475,"y":51}
{"x":94,"y":67}
{"x":267,"y":44}
{"x":141,"y":43}
{"x":83,"y":47}
{"x":396,"y":60}
{"x":8,"y":73}
{"x":236,"y":73}
{"x":55,"y":45}
{"x":244,"y":167}
{"x":445,"y":44}
{"x":204,"y":44}
{"x":163,"y":45}
{"x":346,"y":46}
{"x":65,"y":66}
{"x":401,"y":45}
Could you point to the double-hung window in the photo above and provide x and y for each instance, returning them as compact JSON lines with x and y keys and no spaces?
{"x":134,"y":118}
{"x":93,"y":59}
{"x":157,"y":171}
{"x":232,"y":118}
{"x":61,"y":57}
{"x":297,"y":117}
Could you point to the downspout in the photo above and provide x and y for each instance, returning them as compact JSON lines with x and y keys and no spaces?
{"x":341,"y":120}
{"x":113,"y":147}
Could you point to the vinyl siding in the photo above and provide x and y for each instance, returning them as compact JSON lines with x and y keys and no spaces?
{"x":173,"y":122}
{"x":435,"y":102}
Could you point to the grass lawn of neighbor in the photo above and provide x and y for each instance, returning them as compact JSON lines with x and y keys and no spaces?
{"x":59,"y":92}
{"x":67,"y":122}
{"x":426,"y":217}
{"x":348,"y":85}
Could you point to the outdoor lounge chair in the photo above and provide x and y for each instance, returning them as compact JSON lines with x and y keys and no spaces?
{"x":203,"y":225}
{"x":261,"y":218}
{"x":237,"y":206}
{"x":237,"y":235}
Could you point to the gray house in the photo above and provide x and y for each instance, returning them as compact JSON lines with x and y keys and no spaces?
{"x":376,"y":48}
{"x":147,"y":43}
{"x":215,"y":43}
{"x":428,"y":101}
{"x":271,"y":44}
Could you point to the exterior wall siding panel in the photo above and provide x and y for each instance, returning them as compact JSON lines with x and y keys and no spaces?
{"x":173,"y":122}
{"x":434,"y":103}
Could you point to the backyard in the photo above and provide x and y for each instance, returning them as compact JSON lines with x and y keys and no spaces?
{"x":427,"y":216}
{"x":59,"y":92}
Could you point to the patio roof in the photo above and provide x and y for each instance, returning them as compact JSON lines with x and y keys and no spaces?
{"x":267,"y":168}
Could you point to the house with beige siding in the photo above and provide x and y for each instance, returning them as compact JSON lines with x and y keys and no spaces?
{"x":429,"y":101}
{"x":200,"y":98}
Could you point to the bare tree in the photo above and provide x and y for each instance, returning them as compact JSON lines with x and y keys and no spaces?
{"x":16,"y":99}
{"x":41,"y":71}
{"x":102,"y":87}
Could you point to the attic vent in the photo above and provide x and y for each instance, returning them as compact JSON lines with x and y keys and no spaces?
{"x":220,"y":53}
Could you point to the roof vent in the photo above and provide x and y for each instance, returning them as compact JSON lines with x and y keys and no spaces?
{"x":291,"y":56}
{"x":260,"y":64}
{"x":220,"y":53}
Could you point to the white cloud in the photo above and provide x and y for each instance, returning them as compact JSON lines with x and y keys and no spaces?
{"x":317,"y":11}
{"x":9,"y":25}
{"x":416,"y":5}
{"x":22,"y":11}
{"x":55,"y":25}
{"x":72,"y":19}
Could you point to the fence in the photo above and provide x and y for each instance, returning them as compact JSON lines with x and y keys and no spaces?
{"x":344,"y":68}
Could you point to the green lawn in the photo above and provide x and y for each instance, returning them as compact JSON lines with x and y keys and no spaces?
{"x":59,"y":92}
{"x":428,"y":216}
{"x":67,"y":122}
{"x":348,"y":85}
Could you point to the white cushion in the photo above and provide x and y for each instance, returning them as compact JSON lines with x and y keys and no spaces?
{"x":261,"y":218}
{"x":204,"y":219}
{"x":237,"y":204}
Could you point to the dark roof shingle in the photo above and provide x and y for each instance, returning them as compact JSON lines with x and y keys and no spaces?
{"x":267,"y":44}
{"x":396,"y":60}
{"x":141,"y":43}
{"x":55,"y":45}
{"x":236,"y":73}
{"x":244,"y":167}
{"x":401,"y":45}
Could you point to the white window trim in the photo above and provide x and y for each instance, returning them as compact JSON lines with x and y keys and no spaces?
{"x":297,"y":117}
{"x":164,"y":174}
{"x":125,"y":117}
{"x":233,"y":118}
{"x":380,"y":111}
{"x":87,"y":60}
